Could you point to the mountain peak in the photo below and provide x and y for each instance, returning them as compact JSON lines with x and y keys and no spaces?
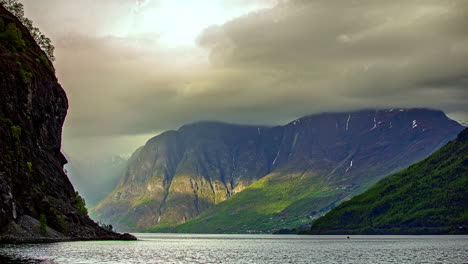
{"x":216,"y":125}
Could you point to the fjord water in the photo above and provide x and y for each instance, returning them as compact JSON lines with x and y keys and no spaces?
{"x":183,"y":248}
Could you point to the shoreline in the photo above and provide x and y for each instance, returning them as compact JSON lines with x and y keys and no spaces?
{"x":44,"y":240}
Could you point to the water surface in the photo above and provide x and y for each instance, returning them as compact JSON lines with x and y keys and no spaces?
{"x":259,"y":249}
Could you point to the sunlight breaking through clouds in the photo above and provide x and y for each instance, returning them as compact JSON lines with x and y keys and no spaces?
{"x":137,"y":67}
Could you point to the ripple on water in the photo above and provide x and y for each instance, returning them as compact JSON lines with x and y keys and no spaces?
{"x":246,"y":249}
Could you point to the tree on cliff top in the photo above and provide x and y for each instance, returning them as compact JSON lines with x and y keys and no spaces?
{"x":17,"y":9}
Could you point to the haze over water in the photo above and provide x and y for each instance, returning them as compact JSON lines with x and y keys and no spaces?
{"x":184,"y":248}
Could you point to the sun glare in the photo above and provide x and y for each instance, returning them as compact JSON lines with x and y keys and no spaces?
{"x":179,"y":22}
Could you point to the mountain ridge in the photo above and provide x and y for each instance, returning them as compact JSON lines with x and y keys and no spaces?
{"x":185,"y":172}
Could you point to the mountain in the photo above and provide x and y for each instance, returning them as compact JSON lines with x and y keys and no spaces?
{"x":234,"y":178}
{"x":95,"y":180}
{"x":324,"y":160}
{"x":429,"y":197}
{"x":179,"y":174}
{"x":38,"y":202}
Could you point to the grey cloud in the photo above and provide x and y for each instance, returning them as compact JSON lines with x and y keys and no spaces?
{"x":267,"y":67}
{"x":352,"y":48}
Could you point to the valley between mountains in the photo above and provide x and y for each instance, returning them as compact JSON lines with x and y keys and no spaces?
{"x":212,"y":177}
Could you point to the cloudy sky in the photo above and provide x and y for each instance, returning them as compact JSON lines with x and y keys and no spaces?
{"x":135,"y":68}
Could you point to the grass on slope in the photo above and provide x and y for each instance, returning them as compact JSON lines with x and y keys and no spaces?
{"x":427,"y":197}
{"x":274,"y":202}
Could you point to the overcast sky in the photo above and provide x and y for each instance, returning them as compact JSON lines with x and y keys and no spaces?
{"x":135,"y":68}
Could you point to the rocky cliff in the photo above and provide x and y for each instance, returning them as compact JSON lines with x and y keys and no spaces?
{"x":179,"y":174}
{"x":268,"y":177}
{"x":38,"y":202}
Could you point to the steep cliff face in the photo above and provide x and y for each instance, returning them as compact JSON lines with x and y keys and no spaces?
{"x":179,"y":174}
{"x":33,"y":185}
{"x":295,"y":172}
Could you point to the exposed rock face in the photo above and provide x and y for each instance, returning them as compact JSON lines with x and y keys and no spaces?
{"x":179,"y":174}
{"x":32,"y":109}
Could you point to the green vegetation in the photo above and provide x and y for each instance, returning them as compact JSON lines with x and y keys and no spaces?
{"x":43,"y":224}
{"x":25,"y":75}
{"x":46,"y":62}
{"x":429,"y":197}
{"x":107,"y":227}
{"x":274,"y":202}
{"x":17,"y":9}
{"x":14,"y":155}
{"x":10,"y":37}
{"x":63,"y":225}
{"x":29,"y":165}
{"x":16,"y":131}
{"x":81,"y":204}
{"x":142,"y":201}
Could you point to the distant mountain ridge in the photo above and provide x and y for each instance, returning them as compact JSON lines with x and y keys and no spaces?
{"x":295,"y":172}
{"x":94,"y":181}
{"x":429,"y":197}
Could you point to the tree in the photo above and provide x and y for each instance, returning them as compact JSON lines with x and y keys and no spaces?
{"x":81,"y":204}
{"x":43,"y":224}
{"x":17,"y":9}
{"x":107,"y":227}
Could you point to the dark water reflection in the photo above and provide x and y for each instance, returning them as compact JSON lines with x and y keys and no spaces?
{"x":10,"y":260}
{"x":258,"y":249}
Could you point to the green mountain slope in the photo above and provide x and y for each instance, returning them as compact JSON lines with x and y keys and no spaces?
{"x":279,"y":200}
{"x":311,"y":182}
{"x":429,"y":197}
